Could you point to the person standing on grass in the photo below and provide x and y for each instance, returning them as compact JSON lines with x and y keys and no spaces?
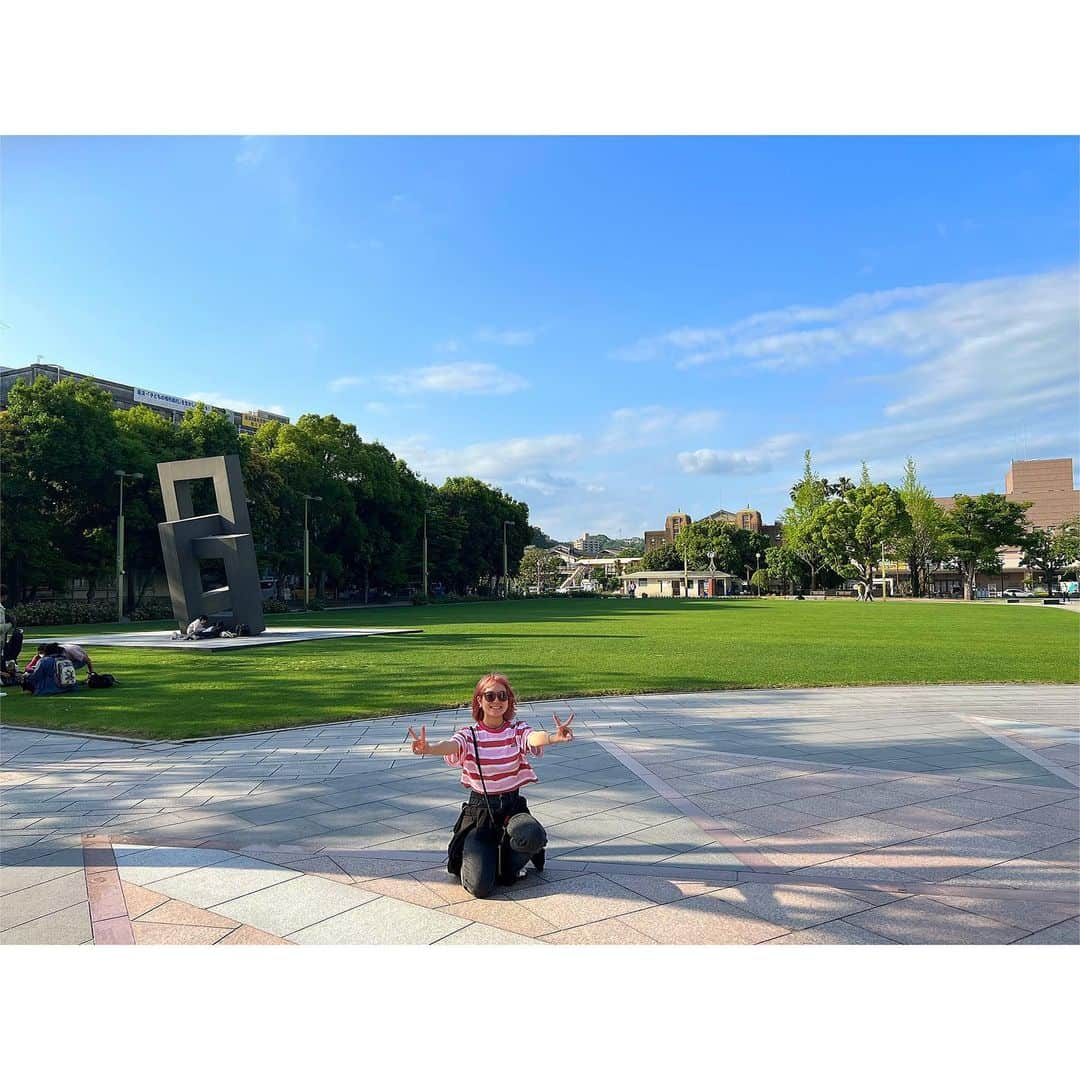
{"x":495,"y":836}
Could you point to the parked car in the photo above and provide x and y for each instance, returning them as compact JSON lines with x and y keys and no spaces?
{"x":1018,"y":593}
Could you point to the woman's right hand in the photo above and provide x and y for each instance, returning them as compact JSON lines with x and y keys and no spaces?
{"x":420,"y":743}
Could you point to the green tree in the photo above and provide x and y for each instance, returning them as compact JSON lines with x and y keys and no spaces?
{"x":924,"y":546}
{"x":662,"y":557}
{"x":1067,"y":543}
{"x":851,"y":529}
{"x":60,"y":454}
{"x":1046,"y":554}
{"x":977,"y":526}
{"x":761,"y":580}
{"x":701,"y":538}
{"x":538,"y":569}
{"x":797,"y":532}
{"x":783,"y":567}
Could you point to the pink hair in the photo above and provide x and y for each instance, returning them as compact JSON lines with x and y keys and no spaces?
{"x":486,"y":681}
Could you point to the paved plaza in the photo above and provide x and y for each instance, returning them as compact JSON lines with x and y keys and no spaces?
{"x":910,"y":815}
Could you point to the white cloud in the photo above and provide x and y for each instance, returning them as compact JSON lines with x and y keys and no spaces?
{"x":464,"y":377}
{"x":344,"y":382}
{"x":521,"y":459}
{"x":236,"y":404}
{"x":652,"y":423}
{"x":762,"y":458}
{"x":975,"y":330}
{"x":491,"y":336}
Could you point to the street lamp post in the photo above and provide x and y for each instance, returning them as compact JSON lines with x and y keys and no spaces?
{"x":120,"y":544}
{"x":424,"y":554}
{"x":883,"y":596}
{"x":757,"y":556}
{"x":506,"y":580}
{"x":307,"y":545}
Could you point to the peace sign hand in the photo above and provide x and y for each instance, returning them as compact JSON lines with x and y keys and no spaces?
{"x":562,"y":731}
{"x":420,"y":743}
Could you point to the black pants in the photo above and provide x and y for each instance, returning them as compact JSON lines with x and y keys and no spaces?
{"x":480,"y":859}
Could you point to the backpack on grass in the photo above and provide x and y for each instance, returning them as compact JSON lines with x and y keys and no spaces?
{"x":99,"y":681}
{"x":64,"y":674}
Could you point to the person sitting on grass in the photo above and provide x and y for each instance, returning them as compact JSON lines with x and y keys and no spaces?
{"x":495,"y":836}
{"x":75,"y":653}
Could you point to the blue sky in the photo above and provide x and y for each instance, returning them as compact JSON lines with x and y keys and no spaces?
{"x":608,"y":328}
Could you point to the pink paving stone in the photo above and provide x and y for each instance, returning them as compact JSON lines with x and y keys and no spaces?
{"x":139,"y":900}
{"x":179,"y":913}
{"x":661,"y":890}
{"x":606,"y":932}
{"x":585,"y":899}
{"x":702,"y":920}
{"x":249,"y":935}
{"x":920,"y":921}
{"x":504,"y":914}
{"x":113,"y":932}
{"x":148,"y":933}
{"x":405,"y":888}
{"x":105,"y":895}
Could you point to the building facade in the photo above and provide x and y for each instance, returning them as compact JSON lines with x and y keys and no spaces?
{"x":695,"y":584}
{"x":127,"y":397}
{"x":673,"y":525}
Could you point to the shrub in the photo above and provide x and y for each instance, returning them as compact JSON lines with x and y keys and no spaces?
{"x":275,"y":607}
{"x":63,"y":612}
{"x":153,"y":608}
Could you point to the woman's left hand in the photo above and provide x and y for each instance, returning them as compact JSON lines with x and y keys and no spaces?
{"x":562,"y":731}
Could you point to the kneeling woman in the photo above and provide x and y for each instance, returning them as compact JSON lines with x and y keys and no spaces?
{"x":495,"y":836}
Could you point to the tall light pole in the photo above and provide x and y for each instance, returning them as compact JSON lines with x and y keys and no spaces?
{"x":757,"y":556}
{"x":506,"y":580}
{"x":424,"y":555}
{"x":120,"y":544}
{"x":883,"y":597}
{"x":307,"y":545}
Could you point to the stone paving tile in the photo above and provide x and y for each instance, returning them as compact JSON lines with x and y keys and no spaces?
{"x":406,"y":887}
{"x":1017,"y":798}
{"x":920,"y":921}
{"x":623,"y":849}
{"x":478,"y":934}
{"x":661,"y":890}
{"x":362,"y":866}
{"x":832,"y":807}
{"x":606,"y":932}
{"x":383,"y":921}
{"x":235,"y":877}
{"x":442,"y":884}
{"x":592,"y":829}
{"x":766,"y":820}
{"x":793,"y":906}
{"x":1063,"y":815}
{"x":833,"y":933}
{"x":1026,"y":914}
{"x":294,"y":904}
{"x":1066,"y":933}
{"x":1032,"y":873}
{"x":579,"y":900}
{"x":178,"y":913}
{"x":40,"y":900}
{"x":925,"y":820}
{"x":248,"y":935}
{"x":16,"y":878}
{"x":139,"y":900}
{"x":69,"y":926}
{"x":434,"y":841}
{"x":504,"y":913}
{"x":146,"y":865}
{"x":320,"y":865}
{"x":702,"y":920}
{"x":151,"y":933}
{"x":869,"y":832}
{"x":285,"y":811}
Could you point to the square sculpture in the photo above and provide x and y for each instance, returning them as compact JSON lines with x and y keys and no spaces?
{"x":225,"y":535}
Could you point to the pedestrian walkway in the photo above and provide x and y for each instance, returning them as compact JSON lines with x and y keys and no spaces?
{"x":868,"y":816}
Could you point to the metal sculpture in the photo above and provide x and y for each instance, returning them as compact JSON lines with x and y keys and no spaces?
{"x":224,"y":535}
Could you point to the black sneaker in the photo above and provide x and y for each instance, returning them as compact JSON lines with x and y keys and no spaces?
{"x":538,"y":859}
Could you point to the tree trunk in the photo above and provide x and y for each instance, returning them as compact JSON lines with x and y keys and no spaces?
{"x":969,"y":580}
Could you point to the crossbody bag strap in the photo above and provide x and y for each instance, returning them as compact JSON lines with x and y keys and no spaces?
{"x":487,"y":800}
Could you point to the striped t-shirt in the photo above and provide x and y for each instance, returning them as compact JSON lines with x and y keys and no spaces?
{"x":503,"y":754}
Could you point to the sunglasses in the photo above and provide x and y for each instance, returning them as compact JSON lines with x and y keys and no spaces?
{"x":494,"y":695}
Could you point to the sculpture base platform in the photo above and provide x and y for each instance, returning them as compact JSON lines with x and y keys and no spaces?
{"x":163,"y":639}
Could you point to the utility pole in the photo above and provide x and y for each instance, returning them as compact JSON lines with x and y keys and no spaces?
{"x":307,"y":563}
{"x":883,"y":596}
{"x":425,"y":555}
{"x":120,"y":542}
{"x":506,"y":579}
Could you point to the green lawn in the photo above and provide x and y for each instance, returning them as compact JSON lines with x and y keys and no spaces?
{"x":553,"y":648}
